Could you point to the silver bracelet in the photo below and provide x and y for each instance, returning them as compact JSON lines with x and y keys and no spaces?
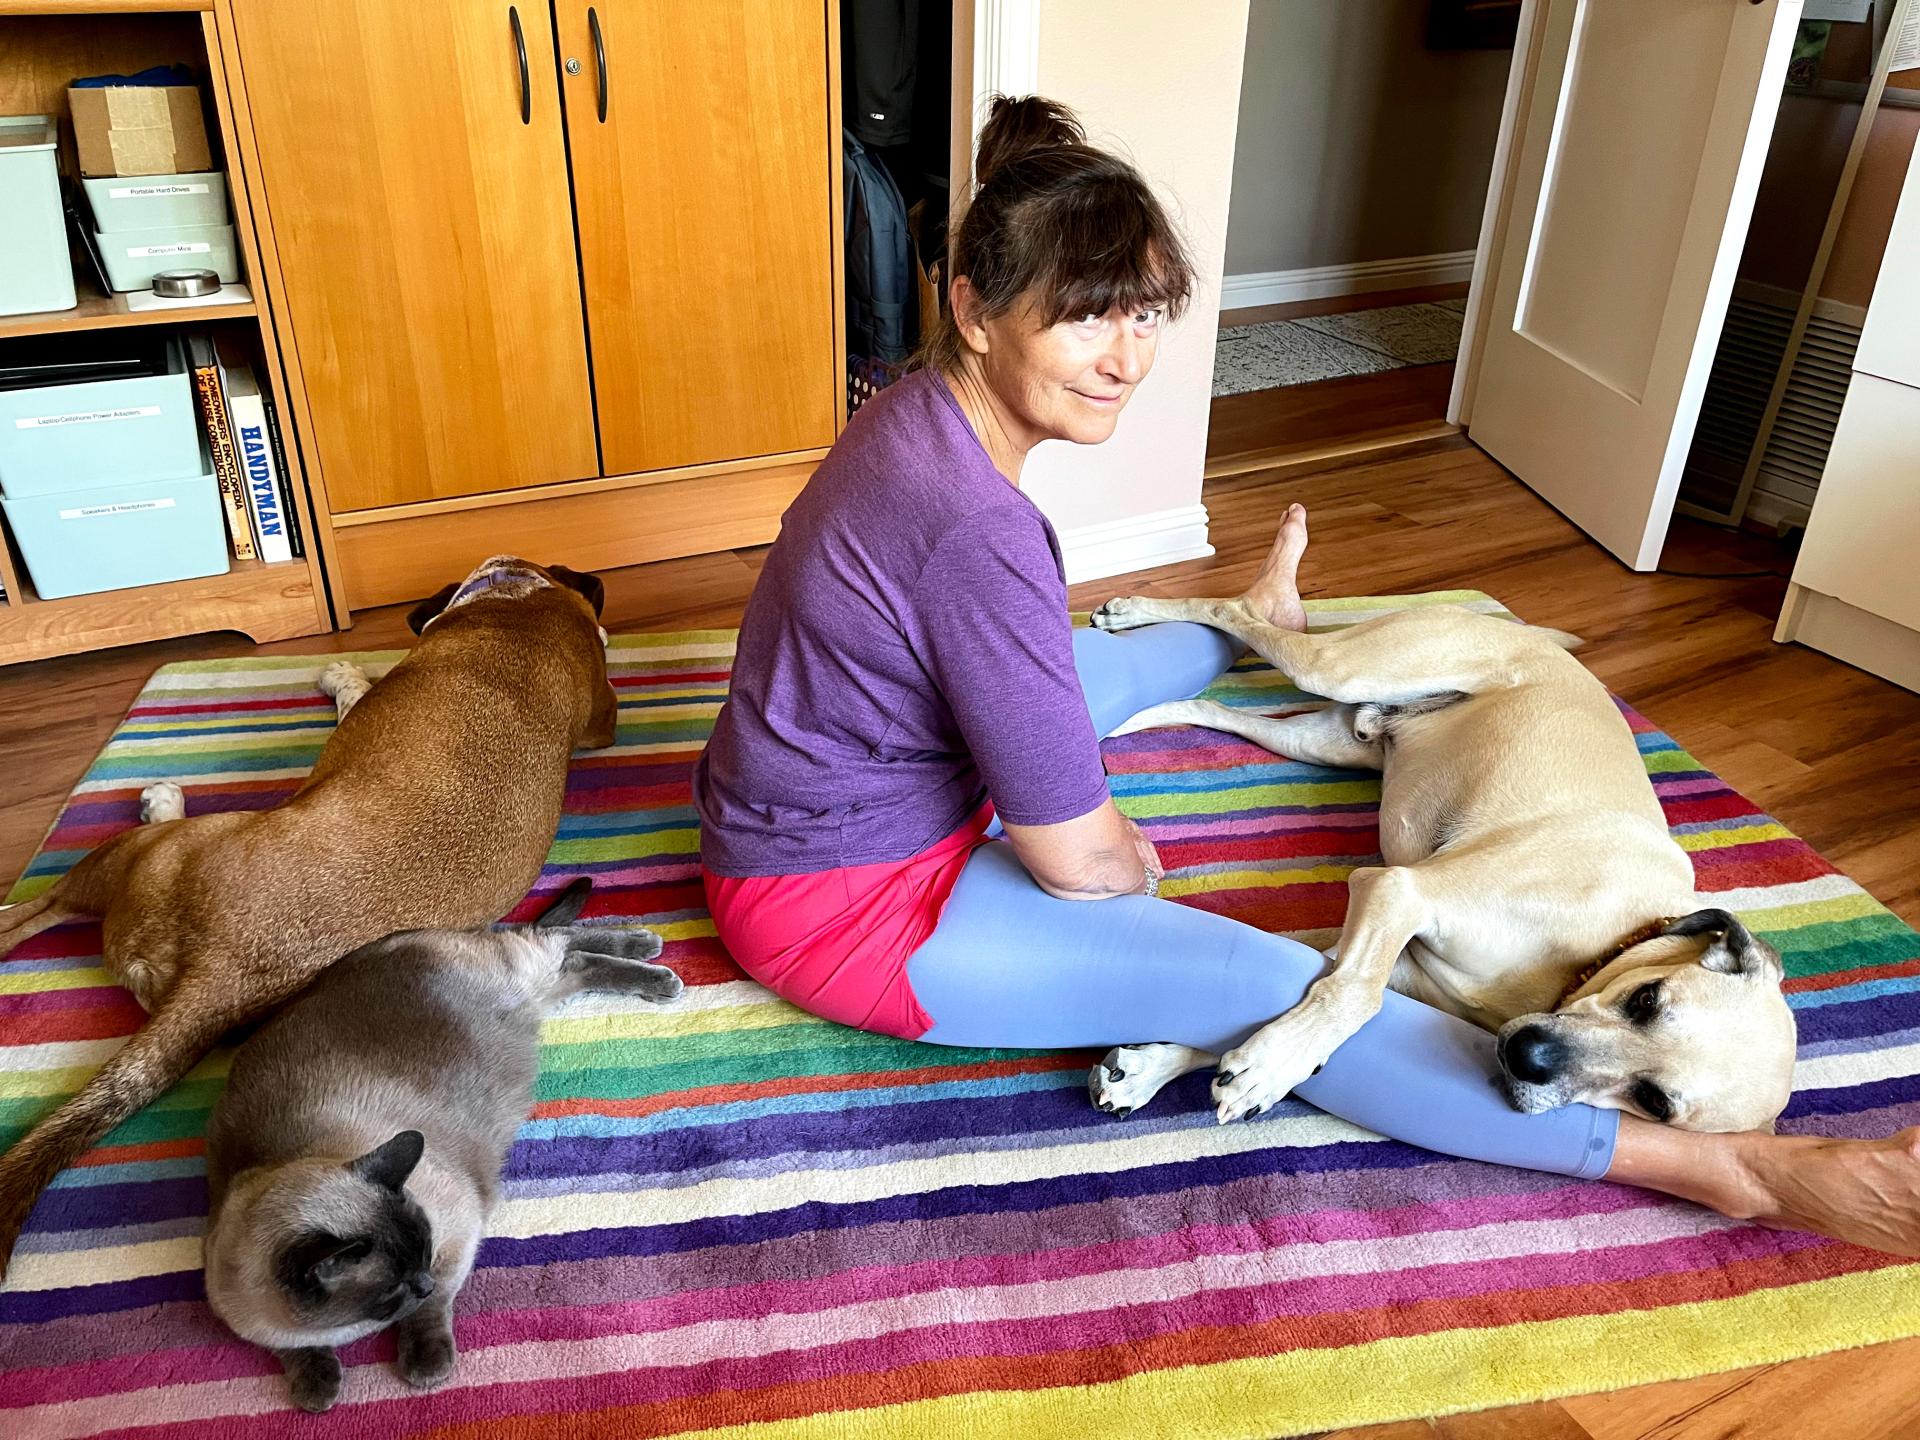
{"x":1153,"y":884}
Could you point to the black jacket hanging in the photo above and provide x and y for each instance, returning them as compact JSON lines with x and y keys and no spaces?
{"x":879,"y":47}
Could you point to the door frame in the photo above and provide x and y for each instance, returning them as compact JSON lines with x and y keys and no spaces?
{"x":1501,"y":180}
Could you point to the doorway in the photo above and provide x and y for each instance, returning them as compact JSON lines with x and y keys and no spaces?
{"x":1341,"y":316}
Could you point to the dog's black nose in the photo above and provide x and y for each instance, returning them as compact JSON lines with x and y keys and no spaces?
{"x":1533,"y":1053}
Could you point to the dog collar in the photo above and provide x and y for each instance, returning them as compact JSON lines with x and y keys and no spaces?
{"x":476,"y":585}
{"x":1583,"y":977}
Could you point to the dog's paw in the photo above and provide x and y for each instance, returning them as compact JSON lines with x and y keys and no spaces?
{"x":1261,"y":1073}
{"x":1128,"y":1076}
{"x":1123,"y":613}
{"x":344,"y":682}
{"x":160,"y":801}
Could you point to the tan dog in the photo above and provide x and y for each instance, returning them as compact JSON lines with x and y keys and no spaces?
{"x":1529,"y":870}
{"x":431,"y":807}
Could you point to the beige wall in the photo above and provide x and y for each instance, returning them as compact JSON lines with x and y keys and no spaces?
{"x":1862,"y":237}
{"x":1167,"y":96}
{"x":1356,"y":141}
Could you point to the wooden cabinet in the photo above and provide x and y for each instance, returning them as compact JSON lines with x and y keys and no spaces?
{"x":426,"y":242}
{"x":705,"y":215}
{"x":592,"y":271}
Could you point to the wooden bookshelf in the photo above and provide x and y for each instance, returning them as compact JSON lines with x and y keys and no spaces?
{"x":109,"y":312}
{"x":46,"y":44}
{"x":101,"y":7}
{"x":265,"y":602}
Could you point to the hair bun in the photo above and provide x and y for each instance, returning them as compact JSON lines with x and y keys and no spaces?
{"x":1017,"y":126}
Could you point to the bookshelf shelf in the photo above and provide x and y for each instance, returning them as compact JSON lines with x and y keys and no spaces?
{"x":101,"y":7}
{"x":266,"y":602}
{"x":108,"y":312}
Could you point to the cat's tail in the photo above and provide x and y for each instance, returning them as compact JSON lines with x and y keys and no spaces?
{"x":171,"y":1043}
{"x":567,"y":906}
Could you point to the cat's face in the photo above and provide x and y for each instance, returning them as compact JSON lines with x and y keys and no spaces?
{"x":354,"y":1248}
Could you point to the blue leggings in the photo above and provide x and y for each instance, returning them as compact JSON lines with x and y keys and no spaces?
{"x":1012,"y":966}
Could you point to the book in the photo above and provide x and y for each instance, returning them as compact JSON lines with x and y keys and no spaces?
{"x":265,"y":507}
{"x":212,"y":402}
{"x":285,"y":475}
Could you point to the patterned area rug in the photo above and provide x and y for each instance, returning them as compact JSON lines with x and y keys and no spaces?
{"x":1279,"y":353}
{"x":730,"y":1215}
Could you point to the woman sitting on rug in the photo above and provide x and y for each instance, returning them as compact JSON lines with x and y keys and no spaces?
{"x":904,"y":815}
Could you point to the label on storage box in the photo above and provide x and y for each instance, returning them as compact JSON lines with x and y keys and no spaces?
{"x":87,"y":512}
{"x":184,"y":247}
{"x":86,"y":417}
{"x":147,"y":192}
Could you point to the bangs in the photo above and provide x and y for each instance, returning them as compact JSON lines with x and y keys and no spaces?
{"x":1112,"y":247}
{"x":1140,"y":281}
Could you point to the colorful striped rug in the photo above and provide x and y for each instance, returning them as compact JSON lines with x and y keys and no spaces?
{"x":729,"y":1215}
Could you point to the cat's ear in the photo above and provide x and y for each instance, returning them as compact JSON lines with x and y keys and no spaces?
{"x":390,"y":1164}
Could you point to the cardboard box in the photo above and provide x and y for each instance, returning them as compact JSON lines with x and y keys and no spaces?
{"x":139,"y":130}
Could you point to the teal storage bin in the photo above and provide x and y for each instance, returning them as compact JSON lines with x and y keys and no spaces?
{"x":36,"y":272}
{"x":146,"y":202}
{"x":134,"y":257}
{"x":112,"y":537}
{"x":56,"y":437}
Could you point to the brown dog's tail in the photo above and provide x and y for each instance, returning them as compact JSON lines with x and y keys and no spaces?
{"x":169,"y":1045}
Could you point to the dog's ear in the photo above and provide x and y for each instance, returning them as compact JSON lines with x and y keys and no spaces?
{"x":418,"y":617}
{"x":586,"y":583}
{"x":1733,"y":950}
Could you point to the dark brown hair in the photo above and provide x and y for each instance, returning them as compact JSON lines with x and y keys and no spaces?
{"x":1053,"y":218}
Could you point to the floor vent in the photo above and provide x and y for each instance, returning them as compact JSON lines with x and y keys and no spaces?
{"x":1751,"y":345}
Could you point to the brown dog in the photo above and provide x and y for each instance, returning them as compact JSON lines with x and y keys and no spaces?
{"x":432,"y":806}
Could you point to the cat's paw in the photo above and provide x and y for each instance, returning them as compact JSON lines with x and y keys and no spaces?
{"x":313,"y":1378}
{"x":425,"y":1357}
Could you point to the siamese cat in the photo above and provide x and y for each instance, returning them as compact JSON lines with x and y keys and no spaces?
{"x":356,"y":1154}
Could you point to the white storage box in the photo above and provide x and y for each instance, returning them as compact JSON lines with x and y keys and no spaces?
{"x":35,"y":271}
{"x":100,"y":432}
{"x":112,"y":537}
{"x":134,"y":257}
{"x":148,"y":202}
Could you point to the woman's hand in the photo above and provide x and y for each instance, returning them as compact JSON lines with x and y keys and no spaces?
{"x":1096,"y":857}
{"x":1149,"y":857}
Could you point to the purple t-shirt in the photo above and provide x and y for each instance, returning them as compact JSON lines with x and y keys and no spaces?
{"x":906,"y":653}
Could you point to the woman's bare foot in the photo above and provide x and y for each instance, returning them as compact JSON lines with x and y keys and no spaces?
{"x":1866,"y":1192}
{"x":1275,"y":593}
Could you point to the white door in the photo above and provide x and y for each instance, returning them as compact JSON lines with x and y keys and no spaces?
{"x":1634,"y":139}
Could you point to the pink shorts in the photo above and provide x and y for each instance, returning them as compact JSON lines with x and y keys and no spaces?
{"x":836,"y":942}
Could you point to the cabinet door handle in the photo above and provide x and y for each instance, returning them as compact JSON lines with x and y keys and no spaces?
{"x":599,"y":57}
{"x":526,"y":85}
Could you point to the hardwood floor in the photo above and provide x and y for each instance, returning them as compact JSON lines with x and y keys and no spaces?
{"x":1832,"y":752}
{"x":1305,"y":428}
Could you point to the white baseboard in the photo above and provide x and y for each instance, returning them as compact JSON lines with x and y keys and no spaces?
{"x":1319,"y":282}
{"x":1119,"y":547}
{"x":1770,"y":510}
